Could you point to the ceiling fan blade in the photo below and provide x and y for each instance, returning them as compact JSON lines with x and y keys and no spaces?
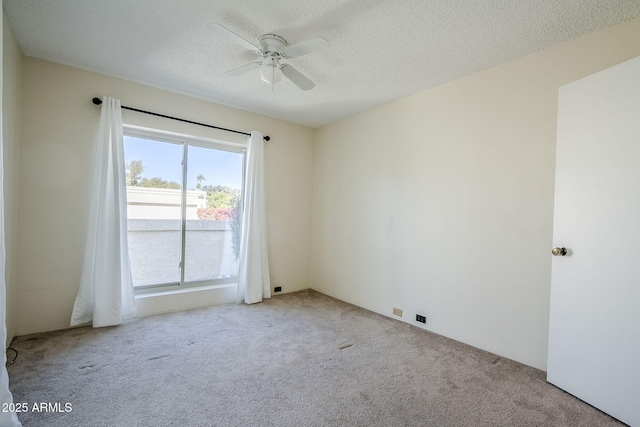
{"x":244,"y":68}
{"x":225,"y":32}
{"x":296,"y":77}
{"x":305,"y":47}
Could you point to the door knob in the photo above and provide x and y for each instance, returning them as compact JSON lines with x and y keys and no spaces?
{"x":559,"y":251}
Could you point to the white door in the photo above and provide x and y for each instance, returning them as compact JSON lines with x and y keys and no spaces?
{"x":594,"y":324}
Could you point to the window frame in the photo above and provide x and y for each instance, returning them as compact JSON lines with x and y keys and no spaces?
{"x":186,"y":140}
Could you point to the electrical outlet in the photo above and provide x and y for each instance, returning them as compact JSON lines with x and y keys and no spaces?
{"x":277,"y":289}
{"x":397,"y":312}
{"x":421,"y":319}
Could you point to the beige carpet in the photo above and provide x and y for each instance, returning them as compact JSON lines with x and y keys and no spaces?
{"x":300,"y":359}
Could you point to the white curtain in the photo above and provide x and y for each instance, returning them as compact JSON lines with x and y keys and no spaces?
{"x":105,"y":296}
{"x":253,"y":276}
{"x":8,"y":419}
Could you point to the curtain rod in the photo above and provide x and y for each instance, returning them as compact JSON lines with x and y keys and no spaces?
{"x":98,"y":101}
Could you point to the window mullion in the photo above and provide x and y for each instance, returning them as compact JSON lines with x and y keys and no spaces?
{"x":183,"y":227}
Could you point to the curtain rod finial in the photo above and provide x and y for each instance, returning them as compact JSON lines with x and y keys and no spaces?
{"x":97,"y":101}
{"x":267,"y":138}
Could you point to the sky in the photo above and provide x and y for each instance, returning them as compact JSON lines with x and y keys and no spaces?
{"x":163,"y":160}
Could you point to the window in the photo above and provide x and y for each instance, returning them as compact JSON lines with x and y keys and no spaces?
{"x":183,"y":206}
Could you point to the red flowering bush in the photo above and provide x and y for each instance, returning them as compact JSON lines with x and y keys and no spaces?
{"x":216,"y":214}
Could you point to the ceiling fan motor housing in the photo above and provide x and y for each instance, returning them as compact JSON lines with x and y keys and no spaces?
{"x":272,"y":43}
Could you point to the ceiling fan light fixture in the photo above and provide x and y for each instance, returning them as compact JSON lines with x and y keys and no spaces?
{"x":270,"y":74}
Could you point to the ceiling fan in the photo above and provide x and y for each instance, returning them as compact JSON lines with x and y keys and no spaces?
{"x":273,"y":49}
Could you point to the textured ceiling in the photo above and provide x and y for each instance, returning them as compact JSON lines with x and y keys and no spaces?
{"x":380,"y":50}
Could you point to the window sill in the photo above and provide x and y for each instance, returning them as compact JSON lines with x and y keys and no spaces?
{"x":167,"y":301}
{"x":184,"y":289}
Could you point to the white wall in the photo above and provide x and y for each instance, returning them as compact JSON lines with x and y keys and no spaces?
{"x":441,"y":203}
{"x":58,"y":125}
{"x":11,"y":92}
